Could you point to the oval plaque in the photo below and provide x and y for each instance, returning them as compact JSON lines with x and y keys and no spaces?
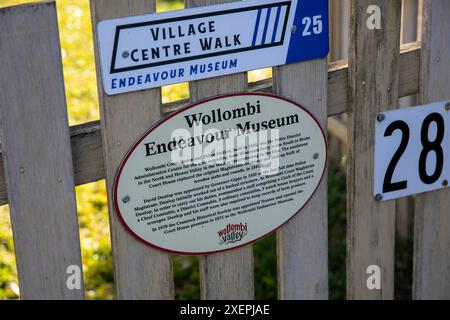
{"x":220,"y":173}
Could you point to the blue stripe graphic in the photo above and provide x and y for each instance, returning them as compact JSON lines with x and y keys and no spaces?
{"x":266,"y":25}
{"x":255,"y":34}
{"x":277,"y":20}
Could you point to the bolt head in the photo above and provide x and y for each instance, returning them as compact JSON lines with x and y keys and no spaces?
{"x":447,"y":106}
{"x":294,"y":29}
{"x":378,"y":197}
{"x":125,"y":54}
{"x":126,"y":199}
{"x":315,"y":156}
{"x":381,"y":117}
{"x":445,"y":183}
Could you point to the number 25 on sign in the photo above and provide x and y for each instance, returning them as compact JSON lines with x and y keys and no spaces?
{"x":412,"y":151}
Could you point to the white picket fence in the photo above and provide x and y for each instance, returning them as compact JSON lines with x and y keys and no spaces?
{"x":43,"y":159}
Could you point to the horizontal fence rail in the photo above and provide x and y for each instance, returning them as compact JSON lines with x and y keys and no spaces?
{"x":87,"y":143}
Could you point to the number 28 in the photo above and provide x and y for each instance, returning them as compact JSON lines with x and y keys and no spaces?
{"x":427,"y":147}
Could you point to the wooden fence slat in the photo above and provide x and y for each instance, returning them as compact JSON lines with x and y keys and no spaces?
{"x":339,"y":42}
{"x":405,"y":206}
{"x":373,"y":81}
{"x":36,"y":152}
{"x":409,"y":28}
{"x":339,"y":37}
{"x":302,"y":244}
{"x":432,"y":213}
{"x":140,"y":272}
{"x":227,"y":275}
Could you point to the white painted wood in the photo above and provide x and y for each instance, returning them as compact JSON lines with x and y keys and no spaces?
{"x":373,"y":87}
{"x":140,"y":272}
{"x":36,"y":152}
{"x":432,"y":213}
{"x":227,"y":275}
{"x":302,"y":244}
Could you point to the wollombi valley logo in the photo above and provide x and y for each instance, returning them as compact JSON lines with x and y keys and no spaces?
{"x":232,"y":233}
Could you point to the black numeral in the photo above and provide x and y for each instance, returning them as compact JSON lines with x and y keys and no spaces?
{"x":427,"y":148}
{"x":432,"y":146}
{"x":388,"y":185}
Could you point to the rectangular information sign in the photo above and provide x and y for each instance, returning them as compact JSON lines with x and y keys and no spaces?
{"x":412,"y":151}
{"x":154,"y":50}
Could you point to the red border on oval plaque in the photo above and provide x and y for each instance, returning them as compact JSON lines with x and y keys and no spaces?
{"x":160,"y":122}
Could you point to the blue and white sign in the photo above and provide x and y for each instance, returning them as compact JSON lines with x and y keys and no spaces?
{"x":154,"y":50}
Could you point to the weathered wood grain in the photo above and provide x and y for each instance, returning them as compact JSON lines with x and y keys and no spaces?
{"x":227,"y":275}
{"x":140,"y":272}
{"x":302,"y":244}
{"x":87,"y":153}
{"x":36,"y":152}
{"x":373,"y":87}
{"x":431,"y":278}
{"x":405,"y":206}
{"x":339,"y":43}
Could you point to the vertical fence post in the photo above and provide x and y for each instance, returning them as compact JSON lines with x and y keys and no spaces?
{"x":227,"y":275}
{"x":339,"y":41}
{"x":373,"y":81}
{"x":140,"y":272}
{"x":405,"y":206}
{"x":302,"y":244}
{"x":432,"y":213}
{"x":37,"y":154}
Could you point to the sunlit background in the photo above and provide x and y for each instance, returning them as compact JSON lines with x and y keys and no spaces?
{"x":81,"y":92}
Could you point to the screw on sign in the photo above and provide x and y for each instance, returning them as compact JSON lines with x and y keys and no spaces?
{"x":126,"y":199}
{"x":378,"y":197}
{"x":381,"y":117}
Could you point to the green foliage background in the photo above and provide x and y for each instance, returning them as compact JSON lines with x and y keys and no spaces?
{"x":81,"y":93}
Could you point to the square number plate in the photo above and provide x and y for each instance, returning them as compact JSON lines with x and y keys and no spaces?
{"x":412,"y":151}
